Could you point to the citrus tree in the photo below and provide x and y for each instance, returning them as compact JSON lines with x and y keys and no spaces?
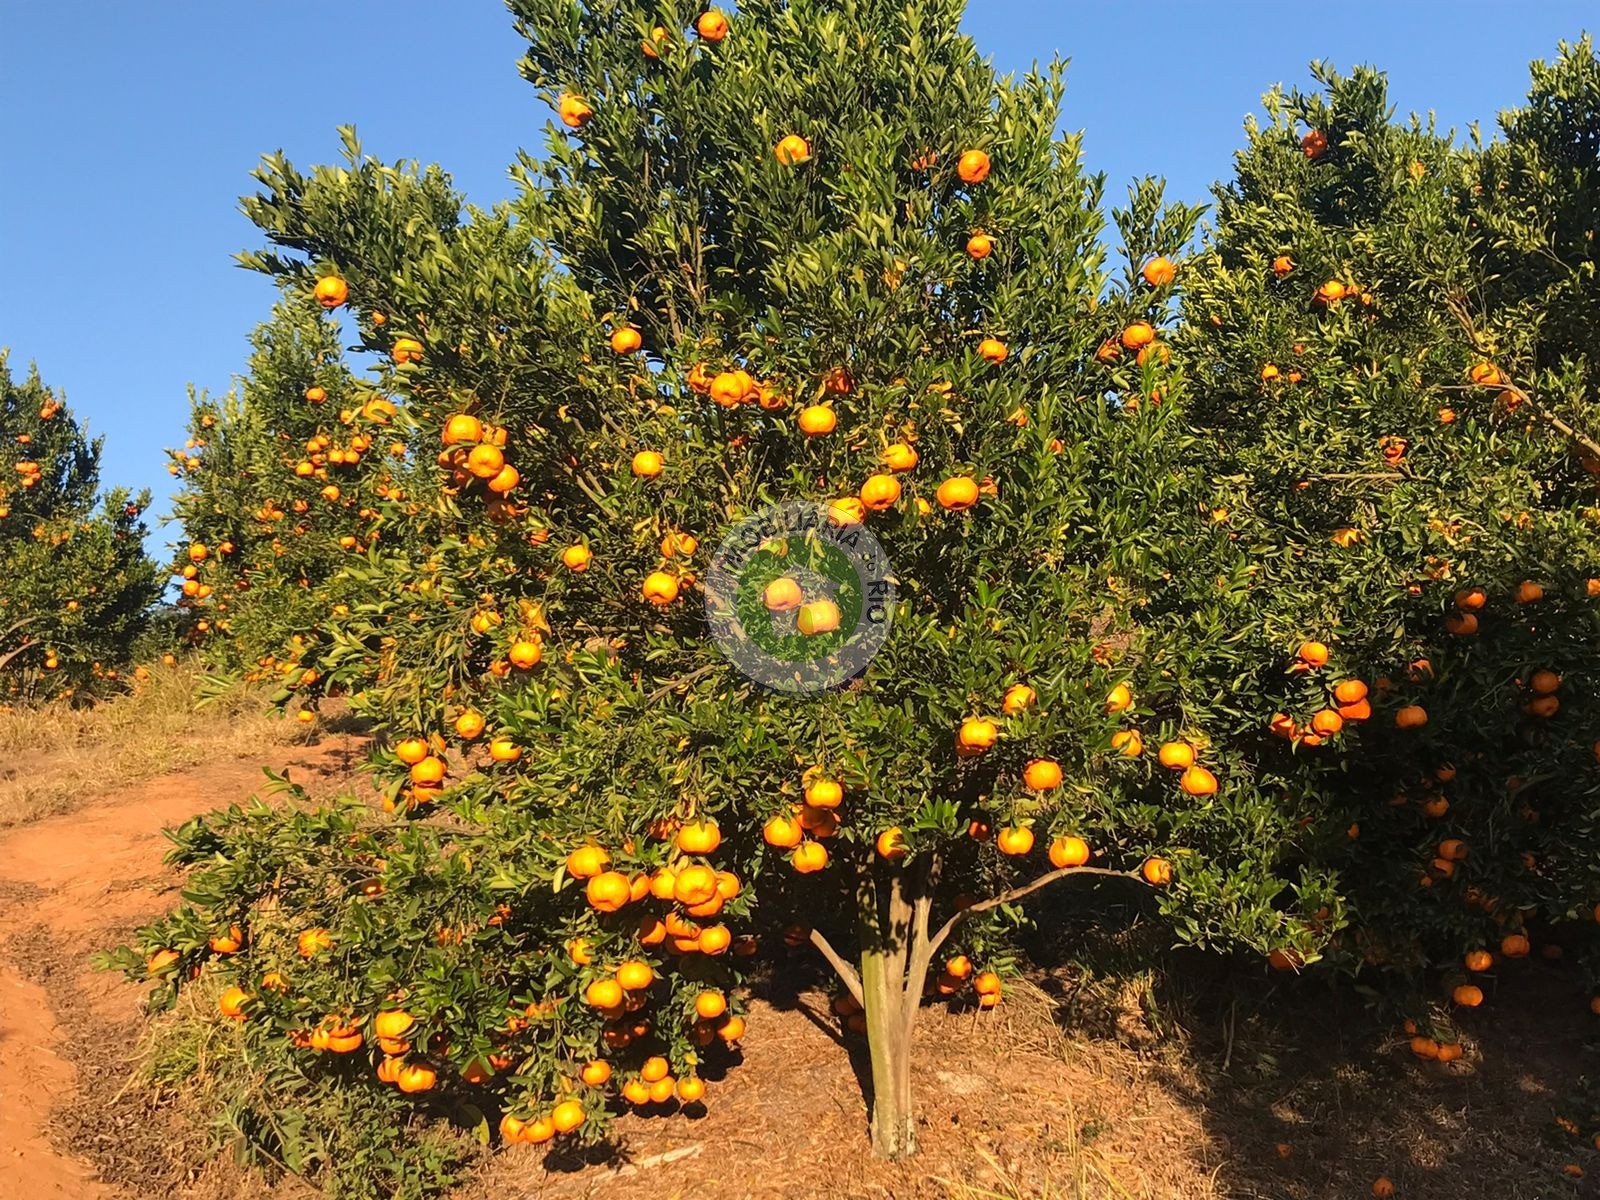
{"x":281,"y":479}
{"x":1397,"y":455}
{"x":76,"y":587}
{"x":810,"y":535}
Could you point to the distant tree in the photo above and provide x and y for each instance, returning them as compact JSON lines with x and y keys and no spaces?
{"x":76,"y":587}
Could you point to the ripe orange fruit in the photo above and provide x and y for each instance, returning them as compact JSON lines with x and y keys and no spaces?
{"x":416,"y":1077}
{"x":700,"y":837}
{"x":1544,"y":682}
{"x":1019,"y":697}
{"x":1471,"y":599}
{"x":1068,"y":852}
{"x":635,"y":975}
{"x":783,"y":832}
{"x":1156,"y":871}
{"x":1138,"y":335}
{"x":1197,"y":781}
{"x":1349,"y":691}
{"x":824,"y":793}
{"x":694,"y":884}
{"x":817,"y":420}
{"x":485,"y":461}
{"x":1412,"y":716}
{"x":1159,"y":272}
{"x":316,"y":395}
{"x":577,"y":558}
{"x":1176,"y":756}
{"x":1282,"y":265}
{"x":331,"y":291}
{"x":792,"y":150}
{"x":1479,"y":960}
{"x":731,"y":388}
{"x":977,"y":734}
{"x":880,"y":492}
{"x":608,"y":891}
{"x":958,"y":493}
{"x":469,"y":725}
{"x":587,"y":861}
{"x":1314,"y":144}
{"x":1269,"y":373}
{"x":987,"y":984}
{"x":1485,"y":374}
{"x":1528,"y":592}
{"x":1327,"y":722}
{"x":1514,"y":945}
{"x":899,"y":457}
{"x":1461,"y":624}
{"x":993,"y":350}
{"x":1015,"y":840}
{"x":1424,"y":1047}
{"x":973,"y":166}
{"x":891,"y":843}
{"x":980,"y":245}
{"x":227,"y":943}
{"x":1119,"y":698}
{"x":574,"y":111}
{"x":809,"y":857}
{"x":691,"y":1089}
{"x":462,"y":428}
{"x":567,"y":1116}
{"x":647,"y":464}
{"x":603,"y":993}
{"x":660,"y":588}
{"x":782,"y":595}
{"x":712,"y":25}
{"x":818,"y":617}
{"x":596,"y":1073}
{"x":1382,"y":1186}
{"x":524,"y":655}
{"x":710,"y":1004}
{"x":1128,"y":743}
{"x":1313,"y":654}
{"x":394,"y":1023}
{"x":1467,"y":996}
{"x":428,"y":771}
{"x":1042,"y":774}
{"x":625,"y":339}
{"x":232,"y":1001}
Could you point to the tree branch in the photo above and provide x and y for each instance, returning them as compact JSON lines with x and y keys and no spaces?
{"x":1458,"y":309}
{"x":1017,"y":893}
{"x":846,"y":972}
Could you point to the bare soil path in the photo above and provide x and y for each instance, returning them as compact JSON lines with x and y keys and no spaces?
{"x":70,"y":885}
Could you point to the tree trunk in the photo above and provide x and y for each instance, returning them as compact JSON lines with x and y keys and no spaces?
{"x":890,"y":1012}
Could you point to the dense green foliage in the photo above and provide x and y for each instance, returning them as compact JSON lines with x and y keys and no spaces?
{"x":76,"y":588}
{"x":1182,"y":556}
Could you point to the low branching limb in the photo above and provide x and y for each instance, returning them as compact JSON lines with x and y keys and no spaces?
{"x":921,"y":948}
{"x":1017,"y":893}
{"x":846,"y":972}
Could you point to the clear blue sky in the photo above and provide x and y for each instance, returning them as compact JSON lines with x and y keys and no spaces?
{"x":127,"y":132}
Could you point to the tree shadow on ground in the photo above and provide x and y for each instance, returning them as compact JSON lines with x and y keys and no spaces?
{"x":1306,"y":1093}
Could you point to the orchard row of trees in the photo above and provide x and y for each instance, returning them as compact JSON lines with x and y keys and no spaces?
{"x":1248,"y":573}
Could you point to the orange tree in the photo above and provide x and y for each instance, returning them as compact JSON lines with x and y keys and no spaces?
{"x":1375,"y":377}
{"x":806,"y":554}
{"x":281,"y":479}
{"x":76,"y":588}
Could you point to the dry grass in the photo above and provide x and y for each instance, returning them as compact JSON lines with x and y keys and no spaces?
{"x":58,"y":757}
